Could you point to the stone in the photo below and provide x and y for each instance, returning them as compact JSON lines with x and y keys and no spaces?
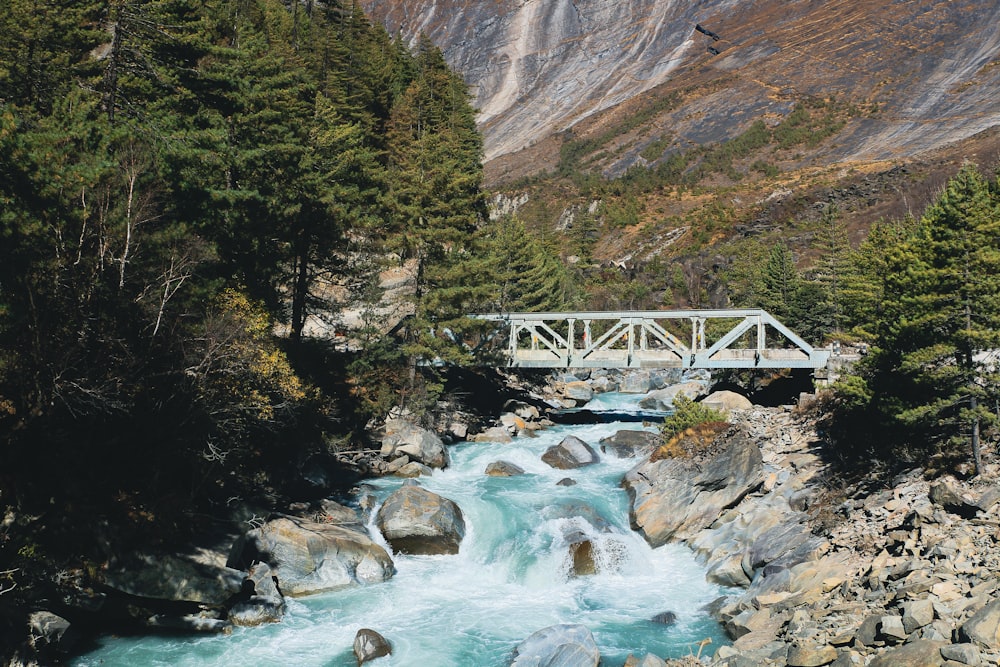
{"x":497,"y":434}
{"x":983,"y":628}
{"x":176,"y":578}
{"x":917,"y":614}
{"x":967,"y":654}
{"x":414,"y":520}
{"x":675,"y":498}
{"x":867,"y":634}
{"x":728,"y":572}
{"x":566,"y":481}
{"x":311,"y":557}
{"x":570,"y":453}
{"x":566,"y":645}
{"x":665,"y":618}
{"x":629,"y":443}
{"x":369,"y":645}
{"x":638,"y":382}
{"x":663,"y":399}
{"x":503,"y":469}
{"x":264,"y":602}
{"x":805,"y":655}
{"x":726,"y":401}
{"x":403,"y":437}
{"x":946,"y":495}
{"x":891,"y":628}
{"x":50,"y":633}
{"x":582,"y":556}
{"x":578,"y":391}
{"x":414,"y":469}
{"x":920,"y":653}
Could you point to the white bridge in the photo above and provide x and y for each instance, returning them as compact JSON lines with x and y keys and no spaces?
{"x":655,"y":339}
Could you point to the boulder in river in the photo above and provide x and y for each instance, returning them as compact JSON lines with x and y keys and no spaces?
{"x":674,"y":498}
{"x":403,"y":437}
{"x":264,"y":603}
{"x":309,"y":557}
{"x":566,"y":645}
{"x":571,"y":453}
{"x":628,"y":443}
{"x":369,"y":645}
{"x":663,"y":399}
{"x":417,"y":521}
{"x":503,"y":469}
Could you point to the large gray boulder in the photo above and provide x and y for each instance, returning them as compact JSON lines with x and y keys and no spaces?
{"x":176,"y":578}
{"x":566,"y":645}
{"x":402,"y":437}
{"x":264,"y":604}
{"x":663,"y":399}
{"x":674,"y":498}
{"x":309,"y":557}
{"x":983,"y":627}
{"x":571,"y":453}
{"x":628,"y":443}
{"x":726,"y":401}
{"x":417,"y":521}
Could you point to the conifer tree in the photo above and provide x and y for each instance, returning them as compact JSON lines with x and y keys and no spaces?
{"x":780,"y":281}
{"x":929,"y":377}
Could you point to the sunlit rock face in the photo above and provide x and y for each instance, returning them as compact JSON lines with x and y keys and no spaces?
{"x":924,"y":73}
{"x":537,"y":66}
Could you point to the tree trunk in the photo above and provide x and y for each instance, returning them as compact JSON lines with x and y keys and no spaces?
{"x":977,"y":456}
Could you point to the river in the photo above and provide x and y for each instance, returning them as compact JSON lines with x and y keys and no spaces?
{"x":511,"y":577}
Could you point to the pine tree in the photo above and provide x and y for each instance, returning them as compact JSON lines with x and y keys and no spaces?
{"x":941,"y":315}
{"x":832,"y":268}
{"x":780,"y":281}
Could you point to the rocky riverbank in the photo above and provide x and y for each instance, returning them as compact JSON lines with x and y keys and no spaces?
{"x":907,"y":574}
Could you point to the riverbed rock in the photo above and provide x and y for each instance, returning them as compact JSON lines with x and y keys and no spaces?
{"x":566,"y":645}
{"x":503,"y":469}
{"x":920,"y":653}
{"x":726,"y":401}
{"x":176,"y":578}
{"x":637,"y":382}
{"x":414,"y":520}
{"x":498,"y":434}
{"x":310,"y":557}
{"x":571,"y":452}
{"x":663,"y":399}
{"x":579,"y":391}
{"x":674,"y":498}
{"x":369,"y":645}
{"x":629,"y":443}
{"x":581,"y":554}
{"x":983,"y":627}
{"x":264,"y":602}
{"x":403,"y":437}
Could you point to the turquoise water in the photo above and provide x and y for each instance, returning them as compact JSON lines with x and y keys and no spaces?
{"x":510,"y":578}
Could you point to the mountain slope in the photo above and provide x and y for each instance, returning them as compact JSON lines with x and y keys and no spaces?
{"x":923,"y":73}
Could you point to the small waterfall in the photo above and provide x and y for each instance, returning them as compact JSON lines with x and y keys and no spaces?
{"x":536,"y":553}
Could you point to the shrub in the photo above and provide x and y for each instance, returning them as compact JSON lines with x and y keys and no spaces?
{"x":687,"y":414}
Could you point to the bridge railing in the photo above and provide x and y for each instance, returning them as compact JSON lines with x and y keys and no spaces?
{"x":736,"y":338}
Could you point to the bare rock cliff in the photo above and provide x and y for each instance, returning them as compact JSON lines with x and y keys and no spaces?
{"x":929,"y":70}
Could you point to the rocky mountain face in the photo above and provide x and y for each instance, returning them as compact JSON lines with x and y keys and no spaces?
{"x":921,"y":73}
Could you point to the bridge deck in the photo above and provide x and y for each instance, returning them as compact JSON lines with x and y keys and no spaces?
{"x":655,"y":339}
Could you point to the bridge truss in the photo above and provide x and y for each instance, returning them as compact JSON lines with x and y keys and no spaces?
{"x":655,"y":339}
